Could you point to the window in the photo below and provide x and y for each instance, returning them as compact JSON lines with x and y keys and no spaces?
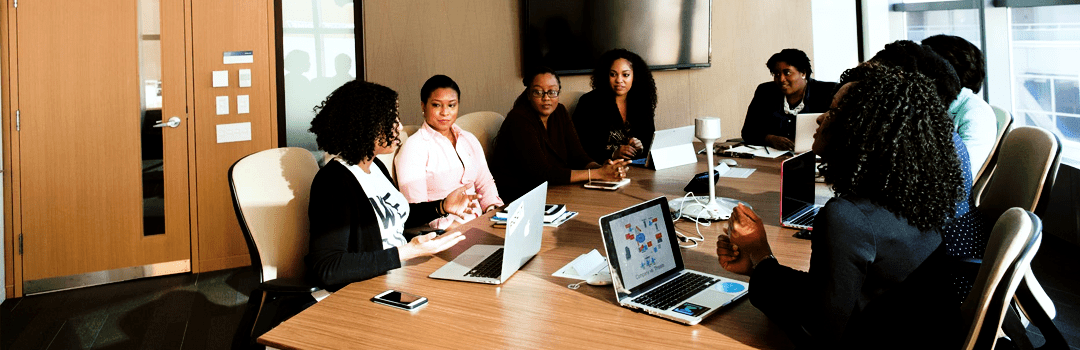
{"x":1030,"y":49}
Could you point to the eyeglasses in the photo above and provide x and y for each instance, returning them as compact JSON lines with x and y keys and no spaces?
{"x":541,"y":93}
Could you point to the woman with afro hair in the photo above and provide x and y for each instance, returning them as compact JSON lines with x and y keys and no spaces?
{"x":878,"y":273}
{"x":357,"y":215}
{"x":615,"y":119}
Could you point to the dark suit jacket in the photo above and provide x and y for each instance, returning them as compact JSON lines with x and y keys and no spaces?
{"x":346,"y":242}
{"x":765,"y":115}
{"x":597,"y":117}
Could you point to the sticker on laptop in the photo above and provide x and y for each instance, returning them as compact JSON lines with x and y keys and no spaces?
{"x":690,"y":309}
{"x":730,"y":287}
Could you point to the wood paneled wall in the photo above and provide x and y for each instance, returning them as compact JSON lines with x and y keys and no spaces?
{"x":478,"y":44}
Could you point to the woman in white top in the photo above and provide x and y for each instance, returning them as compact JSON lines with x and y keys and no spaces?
{"x":441,"y":157}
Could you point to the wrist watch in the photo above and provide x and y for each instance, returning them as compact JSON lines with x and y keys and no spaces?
{"x":767,"y":257}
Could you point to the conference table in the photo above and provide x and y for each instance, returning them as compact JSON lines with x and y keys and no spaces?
{"x":533,"y":309}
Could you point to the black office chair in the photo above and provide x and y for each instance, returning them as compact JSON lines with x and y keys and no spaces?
{"x":270,"y":192}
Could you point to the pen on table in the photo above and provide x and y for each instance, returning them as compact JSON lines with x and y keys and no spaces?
{"x":766,"y":149}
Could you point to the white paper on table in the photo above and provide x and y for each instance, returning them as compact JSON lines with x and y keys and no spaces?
{"x":739,"y":173}
{"x":584,"y":266}
{"x":759,"y":151}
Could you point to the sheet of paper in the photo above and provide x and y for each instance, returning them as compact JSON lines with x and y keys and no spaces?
{"x":727,"y":171}
{"x":588,"y":264}
{"x":245,"y":78}
{"x":234,"y":132}
{"x":759,"y":151}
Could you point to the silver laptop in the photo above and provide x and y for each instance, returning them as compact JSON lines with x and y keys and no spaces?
{"x":494,"y":264}
{"x":647,"y":267}
{"x":805,"y":126}
{"x":797,"y":208}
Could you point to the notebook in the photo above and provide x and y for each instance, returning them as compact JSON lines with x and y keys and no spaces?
{"x":805,"y":127}
{"x":647,"y":269}
{"x":670,"y":148}
{"x":797,"y":208}
{"x":494,"y":264}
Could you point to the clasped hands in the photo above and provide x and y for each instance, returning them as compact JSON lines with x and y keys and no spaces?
{"x":744,"y":242}
{"x":613,"y":170}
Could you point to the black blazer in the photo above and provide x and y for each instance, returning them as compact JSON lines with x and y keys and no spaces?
{"x":346,"y":242}
{"x":765,"y":115}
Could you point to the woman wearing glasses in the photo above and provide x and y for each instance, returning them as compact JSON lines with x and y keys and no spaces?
{"x":770,"y":119}
{"x":615,"y":119}
{"x":537,"y":143}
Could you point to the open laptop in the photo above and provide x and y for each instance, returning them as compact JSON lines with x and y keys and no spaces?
{"x":797,"y":208}
{"x":805,"y":126}
{"x":647,"y":267}
{"x":669,"y":148}
{"x":494,"y":264}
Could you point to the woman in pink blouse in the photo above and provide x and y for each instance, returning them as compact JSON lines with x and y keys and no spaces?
{"x":441,"y":157}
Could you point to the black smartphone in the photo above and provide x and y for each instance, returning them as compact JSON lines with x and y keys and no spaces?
{"x":399,"y":299}
{"x":700,"y":183}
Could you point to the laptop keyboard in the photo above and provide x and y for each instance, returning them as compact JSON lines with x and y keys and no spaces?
{"x":491,"y":267}
{"x":804,"y":217}
{"x":676,"y":290}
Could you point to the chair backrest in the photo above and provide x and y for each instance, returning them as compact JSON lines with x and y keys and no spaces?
{"x":270,"y":191}
{"x":1013,"y":242}
{"x":1024,"y":175}
{"x":569,"y":99}
{"x":484,"y":125}
{"x":411,"y":129}
{"x":1004,"y":122}
{"x":388,"y":159}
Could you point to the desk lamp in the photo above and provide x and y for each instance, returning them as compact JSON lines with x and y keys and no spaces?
{"x":707,"y":129}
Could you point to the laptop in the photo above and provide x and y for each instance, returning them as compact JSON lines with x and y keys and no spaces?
{"x":797,"y":208}
{"x":494,"y":264}
{"x":647,"y":267}
{"x":805,"y":126}
{"x":669,"y":148}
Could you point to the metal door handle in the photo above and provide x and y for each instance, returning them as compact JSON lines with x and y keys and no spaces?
{"x":172,"y":123}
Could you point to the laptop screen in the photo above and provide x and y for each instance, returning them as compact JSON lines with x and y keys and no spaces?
{"x":797,"y":184}
{"x":642,"y":239}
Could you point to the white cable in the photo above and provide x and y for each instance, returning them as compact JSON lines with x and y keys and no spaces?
{"x":698,"y":221}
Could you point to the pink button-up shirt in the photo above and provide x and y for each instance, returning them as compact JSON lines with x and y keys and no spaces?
{"x":429,"y":167}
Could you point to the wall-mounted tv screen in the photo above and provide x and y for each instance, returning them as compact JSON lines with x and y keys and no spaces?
{"x":569,"y":35}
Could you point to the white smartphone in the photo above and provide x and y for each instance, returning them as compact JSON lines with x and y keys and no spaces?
{"x":399,"y":299}
{"x":606,"y":185}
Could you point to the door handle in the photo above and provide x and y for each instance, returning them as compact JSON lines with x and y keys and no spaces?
{"x":172,"y":123}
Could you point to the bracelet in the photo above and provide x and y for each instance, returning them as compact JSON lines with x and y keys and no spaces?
{"x":439,"y":208}
{"x":590,"y":174}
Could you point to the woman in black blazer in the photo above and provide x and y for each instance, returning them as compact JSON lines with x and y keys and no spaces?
{"x":357,"y":214}
{"x":770,"y":118}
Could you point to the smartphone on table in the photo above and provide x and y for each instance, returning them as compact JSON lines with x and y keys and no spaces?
{"x":399,"y":299}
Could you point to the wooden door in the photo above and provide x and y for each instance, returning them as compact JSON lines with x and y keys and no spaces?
{"x":82,"y":140}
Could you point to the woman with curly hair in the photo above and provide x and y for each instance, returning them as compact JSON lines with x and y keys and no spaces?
{"x":357,"y":215}
{"x":615,"y":119}
{"x":441,"y":156}
{"x":878,"y":271}
{"x":537,"y":142}
{"x":770,"y":118}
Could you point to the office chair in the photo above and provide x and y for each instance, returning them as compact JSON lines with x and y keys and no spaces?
{"x":569,"y":98}
{"x":270,"y":192}
{"x":484,"y":125}
{"x":411,"y":129}
{"x":1004,"y":122}
{"x":1013,"y":242}
{"x":388,"y":159}
{"x":1024,"y":177}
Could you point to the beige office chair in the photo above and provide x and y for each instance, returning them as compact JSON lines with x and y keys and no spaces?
{"x":411,"y":129}
{"x":484,"y":125}
{"x":1004,"y":122}
{"x":1024,"y":177}
{"x":569,"y":98}
{"x":388,"y":159}
{"x":1014,"y":241}
{"x":270,"y":196}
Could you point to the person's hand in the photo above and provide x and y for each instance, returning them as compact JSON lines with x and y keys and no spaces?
{"x":614,"y":170}
{"x":748,"y":233}
{"x":779,"y":142}
{"x":428,"y":244}
{"x":625,"y":152}
{"x":634,"y":142}
{"x":462,"y":201}
{"x":729,"y":257}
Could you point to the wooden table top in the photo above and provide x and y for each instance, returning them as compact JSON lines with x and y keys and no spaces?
{"x":534,"y":309}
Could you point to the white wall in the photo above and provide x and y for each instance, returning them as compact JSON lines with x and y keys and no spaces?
{"x":836,"y":46}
